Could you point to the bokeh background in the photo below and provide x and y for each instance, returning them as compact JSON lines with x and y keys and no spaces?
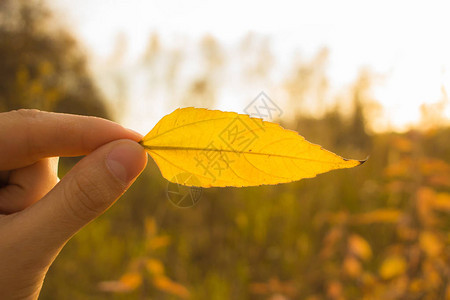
{"x":362,"y":79}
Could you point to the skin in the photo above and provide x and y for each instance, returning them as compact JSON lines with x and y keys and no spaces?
{"x":39,"y":213}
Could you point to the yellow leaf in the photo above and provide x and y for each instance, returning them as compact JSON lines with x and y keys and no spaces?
{"x":155,"y":267}
{"x":352,"y":267}
{"x":228,"y":149}
{"x":359,"y":247}
{"x":430,"y":243}
{"x":131,"y":280}
{"x":392,"y":267}
{"x":442,"y":202}
{"x":166,"y":284}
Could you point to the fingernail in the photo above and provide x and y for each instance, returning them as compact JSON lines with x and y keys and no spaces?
{"x":126,"y":160}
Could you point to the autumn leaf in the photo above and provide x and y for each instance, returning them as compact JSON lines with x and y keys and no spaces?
{"x":155,"y":267}
{"x":359,"y":247}
{"x":392,"y":266}
{"x":352,"y":267}
{"x":430,"y":243}
{"x":164,"y":283}
{"x":206,"y":148}
{"x":377,"y":216}
{"x":131,"y":280}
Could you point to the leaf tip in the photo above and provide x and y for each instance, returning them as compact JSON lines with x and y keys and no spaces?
{"x":360,"y":162}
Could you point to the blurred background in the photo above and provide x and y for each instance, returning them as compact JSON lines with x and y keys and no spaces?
{"x":359,"y":78}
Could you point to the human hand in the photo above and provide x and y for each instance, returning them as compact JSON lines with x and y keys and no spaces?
{"x":38,"y":214}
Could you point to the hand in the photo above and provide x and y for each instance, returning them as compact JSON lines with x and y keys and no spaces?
{"x":38,"y":214}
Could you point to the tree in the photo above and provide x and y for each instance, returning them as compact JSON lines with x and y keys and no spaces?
{"x":41,"y":65}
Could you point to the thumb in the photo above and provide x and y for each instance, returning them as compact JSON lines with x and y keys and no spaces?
{"x":92,"y":186}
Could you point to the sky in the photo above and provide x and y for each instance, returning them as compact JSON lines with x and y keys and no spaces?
{"x":406,"y":42}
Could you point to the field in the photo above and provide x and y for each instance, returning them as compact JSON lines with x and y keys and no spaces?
{"x":379,"y":231}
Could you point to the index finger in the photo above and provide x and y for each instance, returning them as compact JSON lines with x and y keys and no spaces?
{"x":26,"y":136}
